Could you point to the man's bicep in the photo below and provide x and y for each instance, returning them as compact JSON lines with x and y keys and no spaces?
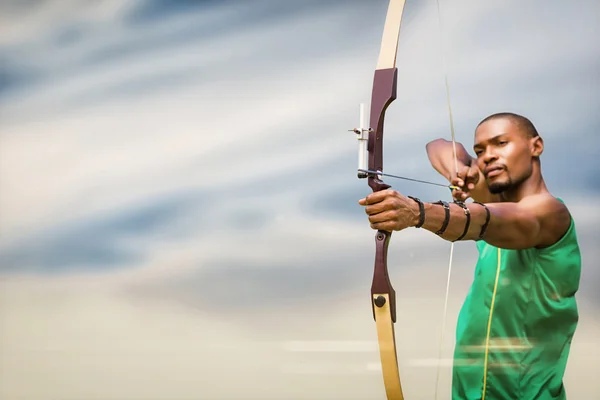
{"x":552,"y":217}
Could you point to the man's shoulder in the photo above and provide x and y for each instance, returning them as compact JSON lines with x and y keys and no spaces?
{"x":544,"y":204}
{"x":552,"y":213}
{"x":541,"y":197}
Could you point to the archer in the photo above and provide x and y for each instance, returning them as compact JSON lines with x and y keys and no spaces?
{"x":516,"y":325}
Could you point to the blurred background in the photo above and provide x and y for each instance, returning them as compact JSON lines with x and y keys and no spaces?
{"x":178,"y":190}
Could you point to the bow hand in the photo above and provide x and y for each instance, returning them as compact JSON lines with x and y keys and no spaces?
{"x":389,"y":210}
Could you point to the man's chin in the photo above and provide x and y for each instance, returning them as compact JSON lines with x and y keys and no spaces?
{"x":498,"y":187}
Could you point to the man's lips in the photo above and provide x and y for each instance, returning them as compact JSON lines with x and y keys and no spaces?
{"x":491,"y":172}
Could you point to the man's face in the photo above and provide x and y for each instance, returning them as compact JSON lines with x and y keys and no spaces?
{"x":504,"y":154}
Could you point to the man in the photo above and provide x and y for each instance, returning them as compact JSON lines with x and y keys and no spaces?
{"x":516,"y":325}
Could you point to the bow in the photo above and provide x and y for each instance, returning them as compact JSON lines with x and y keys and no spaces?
{"x":370,"y":165}
{"x":383,"y":296}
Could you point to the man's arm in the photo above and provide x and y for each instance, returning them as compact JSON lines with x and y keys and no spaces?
{"x":536,"y":221}
{"x":441,"y":156}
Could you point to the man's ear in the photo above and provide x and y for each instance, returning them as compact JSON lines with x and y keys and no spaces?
{"x":537,"y":146}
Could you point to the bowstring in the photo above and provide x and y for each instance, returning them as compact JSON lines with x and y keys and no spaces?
{"x":452,"y":133}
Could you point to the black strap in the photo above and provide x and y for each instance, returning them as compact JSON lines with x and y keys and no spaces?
{"x":446,"y":218}
{"x":487,"y":220}
{"x":468,"y":215}
{"x":421,"y":212}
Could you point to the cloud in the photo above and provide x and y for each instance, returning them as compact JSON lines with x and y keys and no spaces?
{"x":234,"y":126}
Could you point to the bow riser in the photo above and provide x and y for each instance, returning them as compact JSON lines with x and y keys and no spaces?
{"x":384,"y":93}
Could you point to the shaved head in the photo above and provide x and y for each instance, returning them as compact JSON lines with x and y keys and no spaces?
{"x":524,"y":124}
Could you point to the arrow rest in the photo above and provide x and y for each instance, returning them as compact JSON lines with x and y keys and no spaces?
{"x":362,"y":134}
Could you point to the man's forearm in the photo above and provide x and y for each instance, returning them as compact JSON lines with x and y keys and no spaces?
{"x":505,"y":227}
{"x":441,"y":156}
{"x":455,"y":218}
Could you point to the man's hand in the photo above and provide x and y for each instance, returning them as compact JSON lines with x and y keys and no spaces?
{"x":389,"y":210}
{"x":466,"y":179}
{"x":469,"y":178}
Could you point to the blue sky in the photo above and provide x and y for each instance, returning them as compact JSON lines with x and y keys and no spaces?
{"x":179,"y":186}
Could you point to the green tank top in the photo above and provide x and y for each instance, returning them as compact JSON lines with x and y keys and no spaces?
{"x":515,"y":327}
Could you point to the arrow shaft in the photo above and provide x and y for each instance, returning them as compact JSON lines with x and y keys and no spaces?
{"x":369,"y":172}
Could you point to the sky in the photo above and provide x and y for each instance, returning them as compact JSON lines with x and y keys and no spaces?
{"x":179,"y":211}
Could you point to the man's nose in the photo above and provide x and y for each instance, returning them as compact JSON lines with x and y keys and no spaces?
{"x":489,"y":156}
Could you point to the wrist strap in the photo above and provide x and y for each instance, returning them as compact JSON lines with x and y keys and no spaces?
{"x":487,"y":220}
{"x":421,"y":211}
{"x":446,"y":218}
{"x":468,"y":215}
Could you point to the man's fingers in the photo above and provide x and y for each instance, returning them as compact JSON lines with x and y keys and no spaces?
{"x":460,"y":197}
{"x":382,"y":217}
{"x":457,"y":182}
{"x":458,"y":194}
{"x":376,"y":197}
{"x":473,"y":174}
{"x":473,"y":171}
{"x":463,"y":171}
{"x":461,"y":175}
